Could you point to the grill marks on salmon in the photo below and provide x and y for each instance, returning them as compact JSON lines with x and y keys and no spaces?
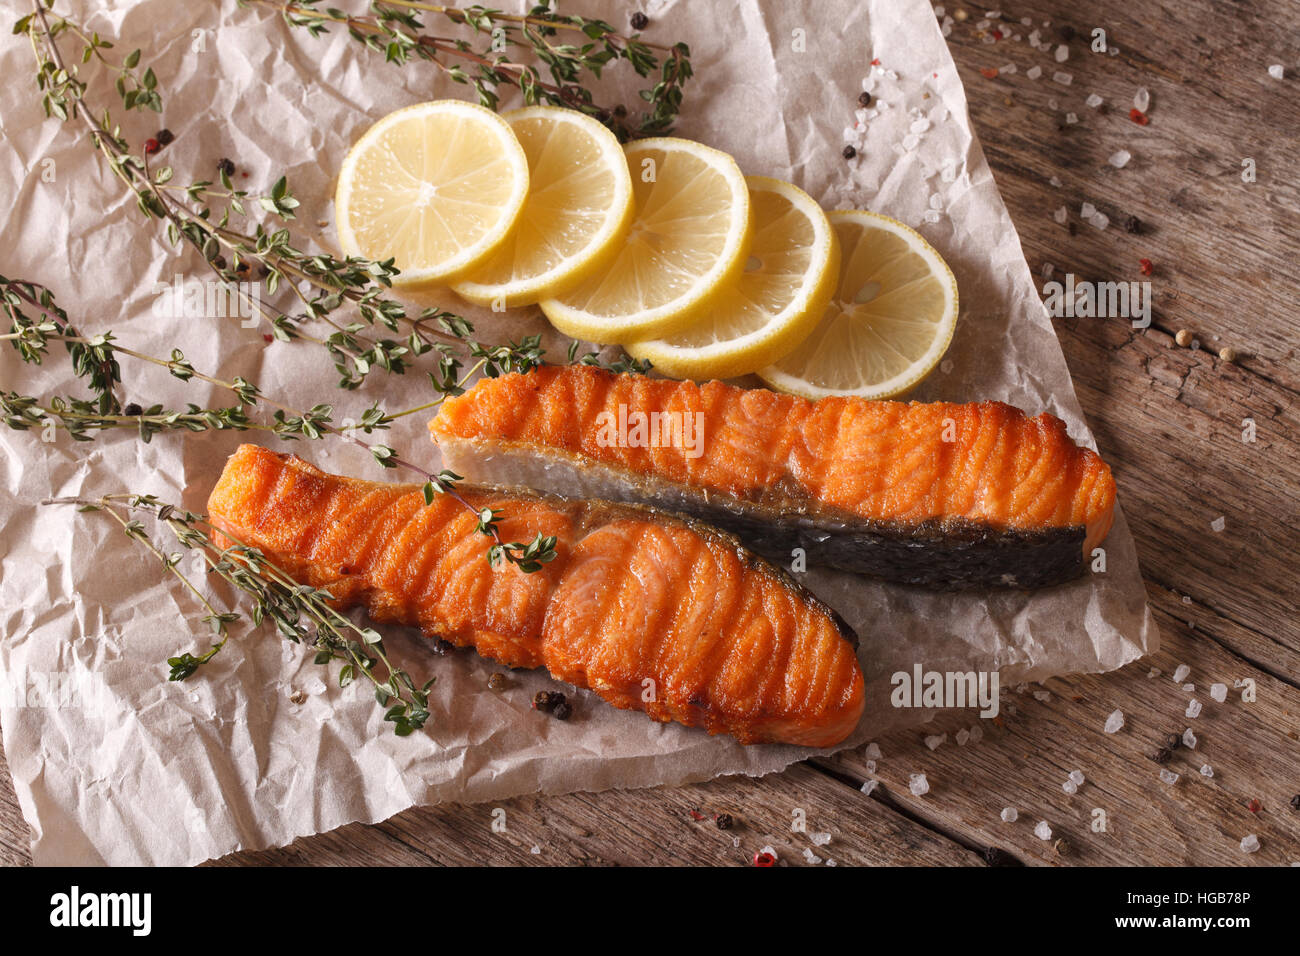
{"x":941,"y":494}
{"x":730,"y":643}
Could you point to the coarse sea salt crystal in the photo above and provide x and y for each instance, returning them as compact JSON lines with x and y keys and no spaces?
{"x":1249,"y":843}
{"x":1043,"y":831}
{"x":1218,"y":523}
{"x":935,"y":741}
{"x":1087,"y":210}
{"x":940,"y":11}
{"x":1169,"y":777}
{"x":1119,"y":159}
{"x":1115,"y":722}
{"x":869,"y":786}
{"x":1042,"y":695}
{"x":1047,"y":270}
{"x":1055,"y":182}
{"x":1070,"y":787}
{"x":1181,"y":672}
{"x":1007,"y":70}
{"x":932,"y":215}
{"x":1100,"y":220}
{"x":1026,"y":22}
{"x":1189,"y":739}
{"x":1053,"y":105}
{"x":1034,"y":72}
{"x":936,"y":201}
{"x":1219,"y":692}
{"x":1142,"y":99}
{"x":1277,"y":71}
{"x":1077,"y":777}
{"x":1207,"y":770}
{"x":1065,"y":79}
{"x":918,"y":784}
{"x":910,"y":141}
{"x":1193,"y":708}
{"x":1093,"y":101}
{"x":976,"y":734}
{"x":962,"y":736}
{"x":920,"y":125}
{"x":1190,"y":688}
{"x":1062,"y":53}
{"x":1010,"y":814}
{"x":830,"y":862}
{"x":1071,"y":119}
{"x":872,"y":752}
{"x":871,"y":766}
{"x":811,"y":857}
{"x":819,"y":839}
{"x":536,"y":850}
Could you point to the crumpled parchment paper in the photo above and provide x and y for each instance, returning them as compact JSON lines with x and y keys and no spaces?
{"x":114,"y":764}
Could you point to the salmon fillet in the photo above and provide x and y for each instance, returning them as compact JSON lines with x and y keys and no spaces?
{"x":943,"y":495}
{"x":636,"y":603}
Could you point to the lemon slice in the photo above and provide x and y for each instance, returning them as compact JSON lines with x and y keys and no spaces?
{"x":767,"y":310}
{"x":435,"y":186}
{"x":688,"y":237}
{"x":579,"y":205}
{"x":889,"y":322}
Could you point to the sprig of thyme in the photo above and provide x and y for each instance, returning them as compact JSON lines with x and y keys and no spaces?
{"x":397,"y":29}
{"x":201,"y":214}
{"x":32,"y":335}
{"x":301,"y":613}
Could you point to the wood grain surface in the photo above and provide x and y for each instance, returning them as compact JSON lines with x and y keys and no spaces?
{"x":1225,"y":257}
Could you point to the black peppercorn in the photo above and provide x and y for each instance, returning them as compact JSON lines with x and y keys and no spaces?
{"x":164,"y":136}
{"x":1163,"y":755}
{"x":497,"y":681}
{"x":226,"y":166}
{"x":1066,"y":32}
{"x":441,"y":646}
{"x":640,"y":21}
{"x":1173,"y":741}
{"x":132,"y":410}
{"x":1071,"y":228}
{"x":1295,"y":802}
{"x":724,"y":821}
{"x":562,"y":711}
{"x":849,"y":152}
{"x":864,"y":98}
{"x":219,"y":262}
{"x":548,"y":700}
{"x":1133,"y":224}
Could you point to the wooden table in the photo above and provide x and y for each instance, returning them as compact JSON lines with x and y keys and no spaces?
{"x":1170,"y":420}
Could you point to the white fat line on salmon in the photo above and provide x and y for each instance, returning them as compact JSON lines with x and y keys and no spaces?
{"x":1099,"y":300}
{"x":207,"y":299}
{"x":74,"y":908}
{"x":946,"y":689}
{"x":651,"y":430}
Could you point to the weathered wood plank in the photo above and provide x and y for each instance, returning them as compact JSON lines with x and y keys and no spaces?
{"x":15,"y":835}
{"x":1025,"y":757}
{"x":1168,"y":419}
{"x":1224,"y":250}
{"x":642,"y":827}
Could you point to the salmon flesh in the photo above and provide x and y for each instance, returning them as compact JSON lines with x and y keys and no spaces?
{"x":941,"y":495}
{"x":651,"y":611}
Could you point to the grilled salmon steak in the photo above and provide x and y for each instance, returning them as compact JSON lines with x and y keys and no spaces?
{"x":942,"y":495}
{"x":651,"y":611}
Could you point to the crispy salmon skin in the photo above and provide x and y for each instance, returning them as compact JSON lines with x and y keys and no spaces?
{"x":650,"y":611}
{"x":943,"y":495}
